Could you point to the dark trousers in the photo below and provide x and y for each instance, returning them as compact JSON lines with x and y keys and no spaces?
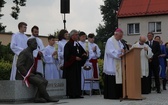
{"x":145,"y":85}
{"x":111,"y":89}
{"x":41,"y":83}
{"x":154,"y":71}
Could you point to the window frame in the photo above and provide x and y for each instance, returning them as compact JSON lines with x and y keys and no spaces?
{"x":155,"y":25}
{"x":134,"y":32}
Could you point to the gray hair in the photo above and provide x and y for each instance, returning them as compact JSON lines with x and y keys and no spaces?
{"x":115,"y":33}
{"x":73,"y":32}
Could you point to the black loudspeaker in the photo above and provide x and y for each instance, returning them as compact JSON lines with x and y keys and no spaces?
{"x":65,"y":6}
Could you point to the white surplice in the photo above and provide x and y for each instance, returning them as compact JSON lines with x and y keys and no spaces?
{"x":51,"y":71}
{"x":112,"y":61}
{"x":61,"y":45}
{"x":18,"y":43}
{"x":40,"y":47}
{"x":145,"y":55}
{"x":97,"y":53}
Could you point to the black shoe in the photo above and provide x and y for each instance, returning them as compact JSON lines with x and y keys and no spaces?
{"x":79,"y":97}
{"x":164,"y":84}
{"x":72,"y":97}
{"x":84,"y":93}
{"x":153,"y":88}
{"x":40,"y":100}
{"x":52,"y":100}
{"x":164,"y":88}
{"x":158,"y":91}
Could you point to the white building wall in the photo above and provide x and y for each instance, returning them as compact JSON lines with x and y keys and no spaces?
{"x":122,"y":23}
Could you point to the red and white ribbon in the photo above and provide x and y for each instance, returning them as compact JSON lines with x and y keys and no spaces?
{"x":27,"y":75}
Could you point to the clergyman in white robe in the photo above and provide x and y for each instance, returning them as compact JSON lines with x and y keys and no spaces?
{"x":51,"y":70}
{"x":145,"y":55}
{"x":18,"y":43}
{"x":112,"y":66}
{"x":40,"y":47}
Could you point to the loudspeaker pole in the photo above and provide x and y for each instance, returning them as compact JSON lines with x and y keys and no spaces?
{"x":64,"y":21}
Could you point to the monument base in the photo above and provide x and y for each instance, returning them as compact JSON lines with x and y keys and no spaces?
{"x":11,"y":91}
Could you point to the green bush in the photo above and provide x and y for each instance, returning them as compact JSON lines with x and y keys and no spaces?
{"x":6,"y":53}
{"x":6,"y":58}
{"x":100,"y":63}
{"x":5,"y":70}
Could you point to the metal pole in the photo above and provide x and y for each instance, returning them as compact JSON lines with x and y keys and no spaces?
{"x":64,"y":21}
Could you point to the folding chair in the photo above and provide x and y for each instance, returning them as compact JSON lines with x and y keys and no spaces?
{"x":89,"y":79}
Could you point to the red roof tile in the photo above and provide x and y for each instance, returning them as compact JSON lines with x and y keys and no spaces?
{"x":130,"y":8}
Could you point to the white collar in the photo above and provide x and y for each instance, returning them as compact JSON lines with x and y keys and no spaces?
{"x":50,"y":46}
{"x":82,"y":42}
{"x":75,"y":42}
{"x":64,"y":40}
{"x":150,"y":41}
{"x":34,"y":36}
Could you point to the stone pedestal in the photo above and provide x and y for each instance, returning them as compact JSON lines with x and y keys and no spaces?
{"x":17,"y":90}
{"x":56,"y":87}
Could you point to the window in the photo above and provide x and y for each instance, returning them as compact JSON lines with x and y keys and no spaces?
{"x":133,"y":28}
{"x":155,"y":27}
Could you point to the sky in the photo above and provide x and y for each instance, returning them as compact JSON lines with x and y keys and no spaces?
{"x":85,"y":15}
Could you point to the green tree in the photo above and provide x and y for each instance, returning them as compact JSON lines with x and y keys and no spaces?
{"x":2,"y":28}
{"x":109,"y":12}
{"x":56,"y":33}
{"x":6,"y":53}
{"x":15,"y":10}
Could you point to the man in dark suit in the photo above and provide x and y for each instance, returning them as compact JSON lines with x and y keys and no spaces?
{"x":26,"y":72}
{"x":74,"y":58}
{"x":154,"y":61}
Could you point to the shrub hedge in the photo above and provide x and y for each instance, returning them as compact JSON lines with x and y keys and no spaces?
{"x":100,"y":64}
{"x":5,"y":70}
{"x":6,"y":58}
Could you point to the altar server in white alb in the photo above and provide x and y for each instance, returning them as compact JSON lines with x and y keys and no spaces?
{"x":94,"y":59}
{"x":50,"y":56}
{"x":38,"y":53}
{"x":85,"y":73}
{"x":146,"y":54}
{"x":112,"y":66}
{"x":18,"y":44}
{"x":62,"y":40}
{"x":96,"y":54}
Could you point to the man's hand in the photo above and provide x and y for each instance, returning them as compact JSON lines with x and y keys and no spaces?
{"x":40,"y":53}
{"x":162,"y":55}
{"x":120,"y":55}
{"x":146,"y":48}
{"x":85,"y":54}
{"x":78,"y":58}
{"x":122,"y":50}
{"x":94,"y":49}
{"x":55,"y":53}
{"x":150,"y":59}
